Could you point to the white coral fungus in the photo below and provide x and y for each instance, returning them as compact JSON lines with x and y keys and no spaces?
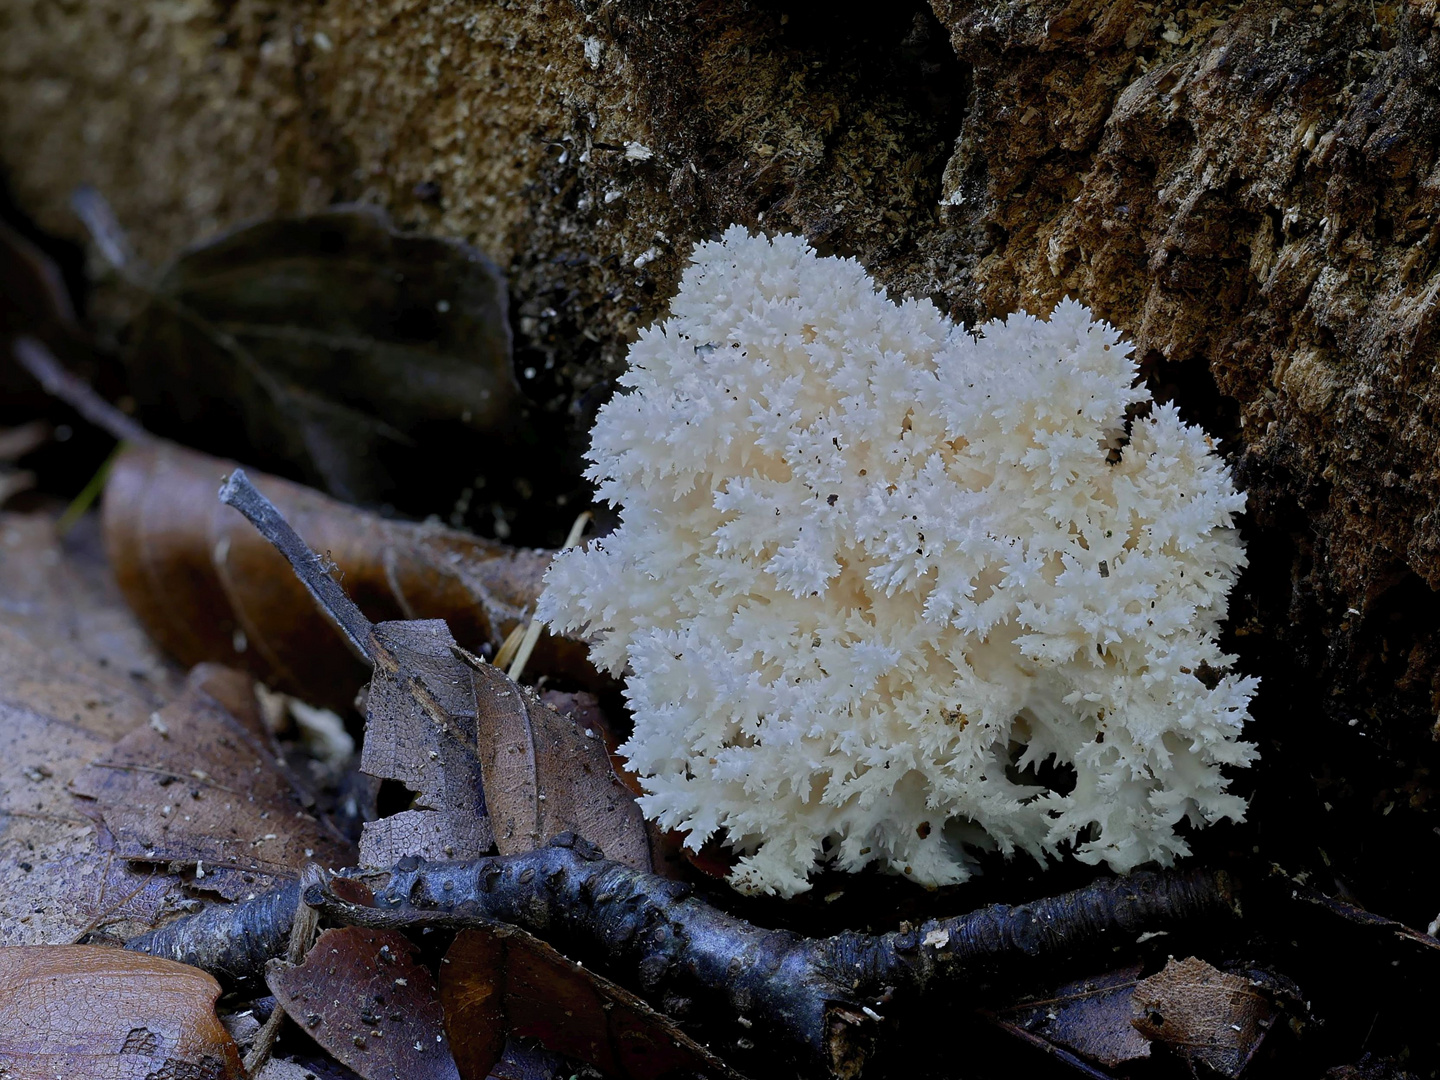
{"x":883,"y":589}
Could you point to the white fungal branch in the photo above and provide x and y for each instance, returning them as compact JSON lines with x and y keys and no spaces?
{"x":874,"y":571}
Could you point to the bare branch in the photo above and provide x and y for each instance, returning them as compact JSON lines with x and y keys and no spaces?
{"x":817,"y":998}
{"x":239,"y":492}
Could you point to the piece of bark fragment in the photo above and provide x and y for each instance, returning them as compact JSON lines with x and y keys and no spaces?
{"x":199,"y":788}
{"x":107,"y":1014}
{"x":1203,"y":1014}
{"x":365,"y":997}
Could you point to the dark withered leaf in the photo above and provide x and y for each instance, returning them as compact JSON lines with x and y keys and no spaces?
{"x":1091,"y":1017}
{"x":329,"y":345}
{"x":503,"y":980}
{"x":364,"y":996}
{"x":420,"y":731}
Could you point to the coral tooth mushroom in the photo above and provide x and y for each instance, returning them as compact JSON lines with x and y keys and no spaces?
{"x":874,"y":571}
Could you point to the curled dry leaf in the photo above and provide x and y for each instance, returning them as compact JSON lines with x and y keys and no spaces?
{"x":208,"y":587}
{"x":1205,"y":1015}
{"x":365,"y":997}
{"x":546,"y":775}
{"x":420,"y":718}
{"x":199,"y":787}
{"x":329,"y":343}
{"x":503,"y":980}
{"x":76,"y":673}
{"x":106,"y":1014}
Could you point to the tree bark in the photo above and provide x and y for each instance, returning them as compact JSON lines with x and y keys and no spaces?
{"x":1248,"y":190}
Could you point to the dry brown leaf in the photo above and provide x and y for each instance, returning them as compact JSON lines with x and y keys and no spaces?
{"x":208,"y":587}
{"x":76,"y":673}
{"x":506,"y":981}
{"x":107,"y":1014}
{"x":420,"y":730}
{"x":195,"y":786}
{"x":544,"y":775}
{"x":365,"y":997}
{"x":1205,"y":1015}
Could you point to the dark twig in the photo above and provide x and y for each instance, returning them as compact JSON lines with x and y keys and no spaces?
{"x":110,"y":240}
{"x":230,"y":941}
{"x":239,"y":492}
{"x":817,"y":998}
{"x":39,"y":362}
{"x":302,"y":936}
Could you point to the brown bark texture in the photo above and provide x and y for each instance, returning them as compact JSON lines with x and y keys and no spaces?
{"x":1247,"y":189}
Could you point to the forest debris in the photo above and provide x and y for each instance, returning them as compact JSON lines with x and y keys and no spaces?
{"x":538,"y":773}
{"x":208,"y":587}
{"x":76,"y":673}
{"x":203,"y":790}
{"x":801,"y":998}
{"x":1411,"y":941}
{"x":500,"y":979}
{"x":330,"y":343}
{"x":302,"y":935}
{"x":59,"y":876}
{"x":104,"y":1014}
{"x":1090,"y":1017}
{"x":420,"y":723}
{"x":365,"y":997}
{"x":544,"y":775}
{"x":1203,"y":1014}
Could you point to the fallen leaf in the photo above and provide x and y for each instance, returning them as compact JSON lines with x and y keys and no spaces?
{"x":1203,"y":1014}
{"x":106,"y":1014}
{"x":198,"y":787}
{"x":1090,"y":1017}
{"x":208,"y":587}
{"x":331,"y":344}
{"x":545,"y":774}
{"x":76,"y":673}
{"x":505,"y":981}
{"x":542,"y":773}
{"x":420,"y":719}
{"x":365,"y":997}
